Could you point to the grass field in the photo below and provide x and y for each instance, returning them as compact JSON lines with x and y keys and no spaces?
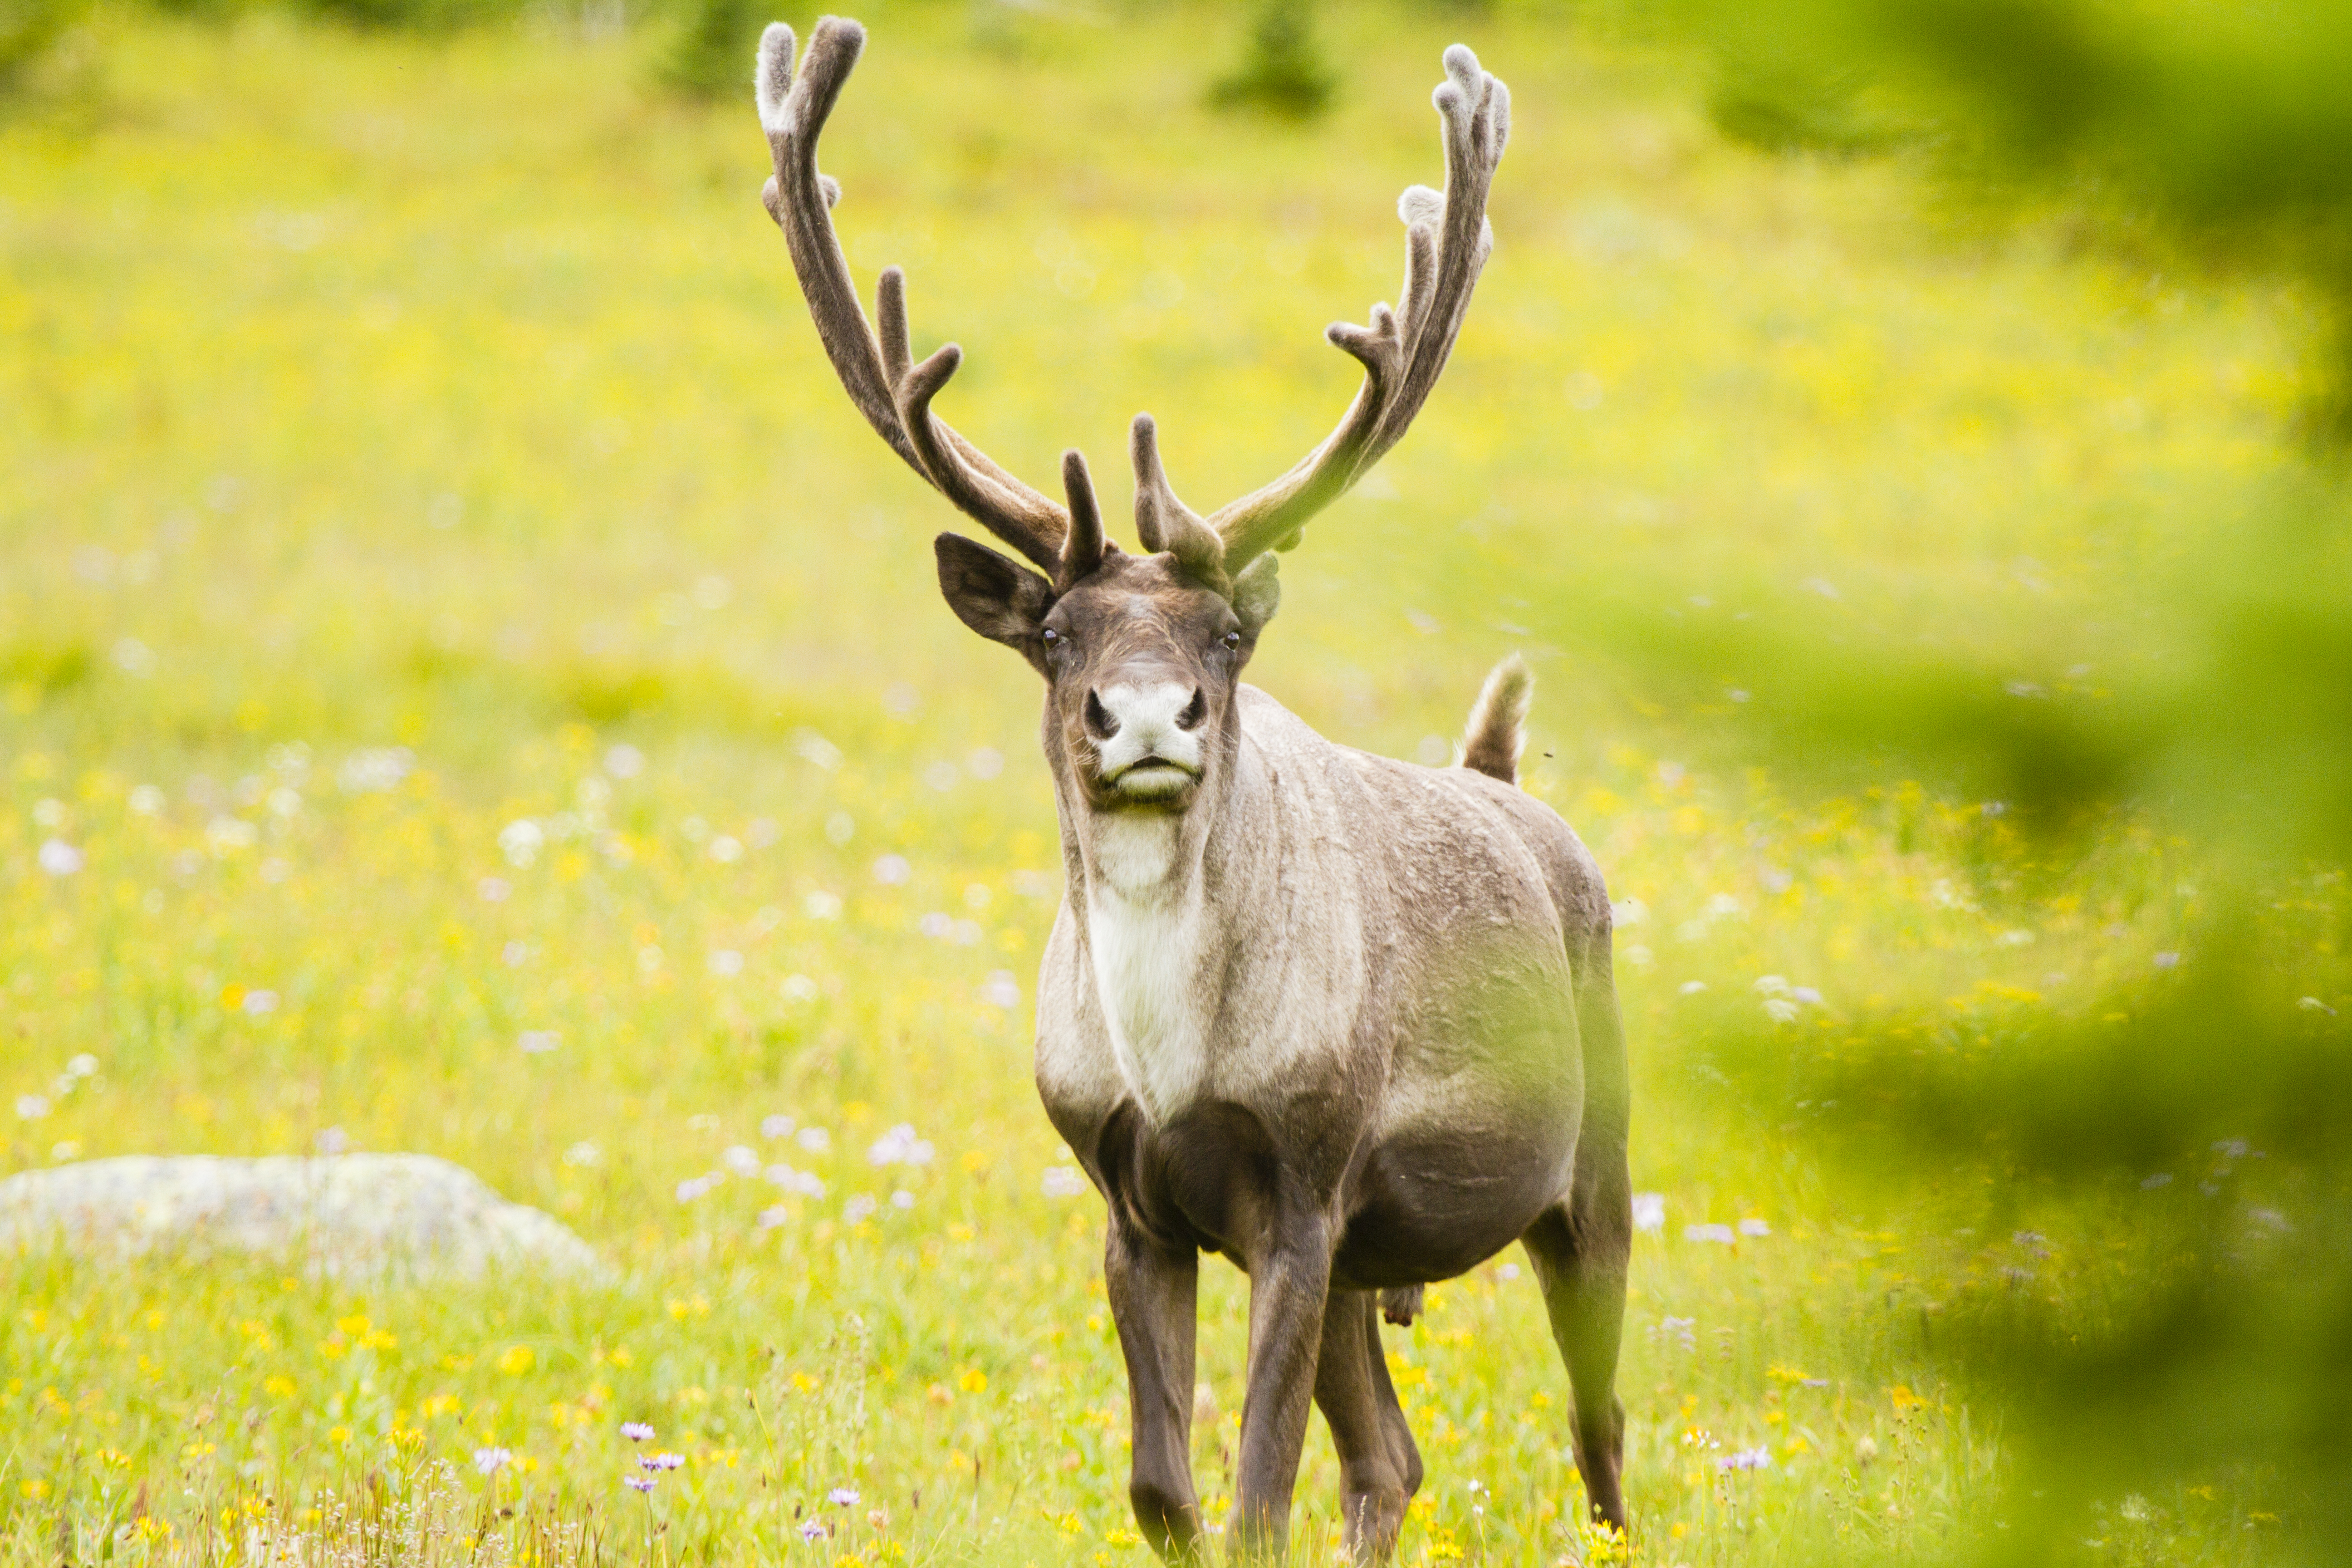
{"x":448,"y":605}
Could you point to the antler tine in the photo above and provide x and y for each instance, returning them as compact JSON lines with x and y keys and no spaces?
{"x":1163,"y":522}
{"x":1447,"y":240}
{"x":1476,"y":111}
{"x":894,"y":395}
{"x":1082,"y":547}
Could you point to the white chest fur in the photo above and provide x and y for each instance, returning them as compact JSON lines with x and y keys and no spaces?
{"x":1145,"y":929}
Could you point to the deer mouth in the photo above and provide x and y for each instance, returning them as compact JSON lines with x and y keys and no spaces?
{"x":1152,"y":779}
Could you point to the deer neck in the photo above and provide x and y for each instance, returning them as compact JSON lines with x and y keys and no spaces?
{"x":1156,"y":891}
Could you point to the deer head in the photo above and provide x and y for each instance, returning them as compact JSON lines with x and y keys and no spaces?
{"x":1141,"y":654}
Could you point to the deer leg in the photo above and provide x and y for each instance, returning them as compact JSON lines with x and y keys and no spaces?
{"x":1288,"y":1283}
{"x":1392,"y":1421}
{"x":1152,"y":1293}
{"x":1579,"y":1249}
{"x":1372,"y":1490}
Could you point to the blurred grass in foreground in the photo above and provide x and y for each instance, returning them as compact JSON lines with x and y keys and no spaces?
{"x":412,"y":441}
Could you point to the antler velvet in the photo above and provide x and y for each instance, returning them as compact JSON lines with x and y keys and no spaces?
{"x":893,"y":394}
{"x":1447,"y":241}
{"x":1403,"y":351}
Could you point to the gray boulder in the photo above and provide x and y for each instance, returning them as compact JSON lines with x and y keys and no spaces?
{"x":342,"y":1214}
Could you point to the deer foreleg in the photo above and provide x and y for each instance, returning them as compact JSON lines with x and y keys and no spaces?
{"x":1399,"y":1435}
{"x":1153,"y":1290}
{"x":1289,"y":1281}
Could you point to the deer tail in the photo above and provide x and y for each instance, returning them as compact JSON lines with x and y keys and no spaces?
{"x":1498,"y":727}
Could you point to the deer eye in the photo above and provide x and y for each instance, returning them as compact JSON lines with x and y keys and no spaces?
{"x":1230,"y":640}
{"x":1053,"y":638}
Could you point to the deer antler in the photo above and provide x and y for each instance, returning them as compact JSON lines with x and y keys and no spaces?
{"x":893,"y":394}
{"x":1447,"y":239}
{"x":1163,"y":522}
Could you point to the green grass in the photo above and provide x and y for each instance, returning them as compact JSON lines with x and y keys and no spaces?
{"x":455,"y":395}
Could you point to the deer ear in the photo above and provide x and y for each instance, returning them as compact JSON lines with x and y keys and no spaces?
{"x":1256,"y":592}
{"x":989,"y":592}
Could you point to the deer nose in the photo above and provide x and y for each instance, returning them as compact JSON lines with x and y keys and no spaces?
{"x":1149,"y":721}
{"x":1101,"y":723}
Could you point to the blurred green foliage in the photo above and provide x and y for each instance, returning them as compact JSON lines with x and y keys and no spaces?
{"x":2200,"y":1110}
{"x":30,"y":31}
{"x":2227,"y":125}
{"x":1792,"y":105}
{"x":1283,"y":72}
{"x":716,"y":40}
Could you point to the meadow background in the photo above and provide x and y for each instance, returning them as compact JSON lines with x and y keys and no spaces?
{"x":469,"y":684}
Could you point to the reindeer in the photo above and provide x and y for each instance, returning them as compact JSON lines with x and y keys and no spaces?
{"x":1349,"y":1022}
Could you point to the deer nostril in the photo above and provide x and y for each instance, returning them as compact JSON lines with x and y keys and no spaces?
{"x":1194,"y":711}
{"x":1099,"y":722}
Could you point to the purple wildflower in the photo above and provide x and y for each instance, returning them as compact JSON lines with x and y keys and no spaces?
{"x":1756,"y":1459}
{"x":636,"y":1431}
{"x":812,"y":1529}
{"x":662,"y":1461}
{"x":842,"y":1496}
{"x":490,"y":1461}
{"x":639,"y":1483}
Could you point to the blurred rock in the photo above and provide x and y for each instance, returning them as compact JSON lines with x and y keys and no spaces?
{"x":342,"y":1214}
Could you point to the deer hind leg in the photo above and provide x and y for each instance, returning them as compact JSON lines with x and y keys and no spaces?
{"x":1153,"y":1299}
{"x":1579,"y":1249}
{"x":1352,"y":1390}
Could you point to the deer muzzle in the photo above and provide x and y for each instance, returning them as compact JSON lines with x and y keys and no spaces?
{"x":1148,"y":738}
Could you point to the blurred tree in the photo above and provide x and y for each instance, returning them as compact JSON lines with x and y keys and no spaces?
{"x":2201,"y":1334}
{"x":712,"y":54}
{"x":418,"y":15}
{"x":1283,"y":72}
{"x":29,"y":29}
{"x":1784,"y":103}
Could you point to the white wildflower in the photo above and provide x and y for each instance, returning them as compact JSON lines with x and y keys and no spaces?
{"x":900,"y":1146}
{"x":520,"y":841}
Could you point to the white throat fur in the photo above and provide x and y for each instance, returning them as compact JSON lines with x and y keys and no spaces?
{"x":1146,"y":929}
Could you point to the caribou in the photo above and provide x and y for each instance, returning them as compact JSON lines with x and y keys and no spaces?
{"x":1348,"y":1022}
